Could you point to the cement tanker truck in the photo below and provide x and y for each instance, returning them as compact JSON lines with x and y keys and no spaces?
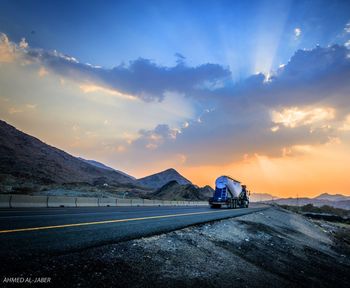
{"x":229,"y":192}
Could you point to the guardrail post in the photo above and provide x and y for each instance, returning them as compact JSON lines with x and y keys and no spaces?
{"x":10,"y":204}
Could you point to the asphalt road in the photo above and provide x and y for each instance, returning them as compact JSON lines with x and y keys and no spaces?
{"x":52,"y":231}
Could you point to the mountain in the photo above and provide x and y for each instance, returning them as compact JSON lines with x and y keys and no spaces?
{"x":175,"y":191}
{"x":330,"y":197}
{"x":256,"y":197}
{"x":343,"y":204}
{"x":24,"y":158}
{"x":103,"y":166}
{"x":158,"y":180}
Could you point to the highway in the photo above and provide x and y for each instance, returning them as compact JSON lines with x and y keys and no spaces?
{"x":53,"y":231}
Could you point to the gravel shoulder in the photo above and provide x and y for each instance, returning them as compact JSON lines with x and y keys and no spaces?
{"x":272,"y":248}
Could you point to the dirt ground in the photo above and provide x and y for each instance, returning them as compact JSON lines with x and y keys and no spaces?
{"x":273,"y":248}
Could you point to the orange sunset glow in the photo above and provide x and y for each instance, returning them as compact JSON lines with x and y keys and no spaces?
{"x":322,"y":170}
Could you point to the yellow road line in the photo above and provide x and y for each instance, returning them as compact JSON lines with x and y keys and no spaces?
{"x":106,"y":222}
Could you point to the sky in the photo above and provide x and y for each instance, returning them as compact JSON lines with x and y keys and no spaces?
{"x":258,"y":90}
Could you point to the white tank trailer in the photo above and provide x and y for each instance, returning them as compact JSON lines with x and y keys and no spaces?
{"x":229,"y":192}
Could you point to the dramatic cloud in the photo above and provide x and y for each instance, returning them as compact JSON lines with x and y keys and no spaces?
{"x":346,"y":124}
{"x":347,"y":44}
{"x":202,"y":116}
{"x":23,"y":43}
{"x":309,"y":94}
{"x":89,"y":88}
{"x":141,"y":78}
{"x":151,"y":139}
{"x":306,"y":64}
{"x":7,"y":49}
{"x":294,"y":117}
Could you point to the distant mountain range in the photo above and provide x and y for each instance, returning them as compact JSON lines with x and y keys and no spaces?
{"x":257,"y":197}
{"x":330,"y":197}
{"x":343,"y":204}
{"x":337,"y":200}
{"x":28,"y":164}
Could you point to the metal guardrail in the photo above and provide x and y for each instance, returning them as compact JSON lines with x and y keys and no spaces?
{"x":17,"y":201}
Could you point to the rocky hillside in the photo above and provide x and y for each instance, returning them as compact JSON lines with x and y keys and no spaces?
{"x":175,"y":191}
{"x":158,"y":180}
{"x":25,"y":158}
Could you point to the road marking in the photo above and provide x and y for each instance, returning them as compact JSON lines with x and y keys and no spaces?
{"x":108,"y":221}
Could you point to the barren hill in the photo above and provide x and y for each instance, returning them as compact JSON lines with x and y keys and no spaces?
{"x":160,"y":179}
